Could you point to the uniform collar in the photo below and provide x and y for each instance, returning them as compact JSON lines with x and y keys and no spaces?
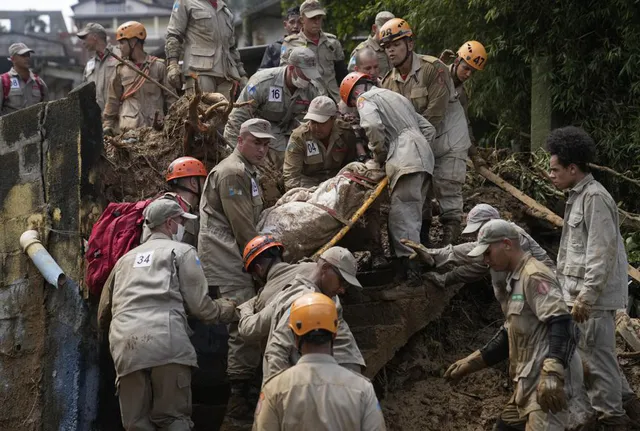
{"x":374,"y":44}
{"x":158,"y":235}
{"x":248,"y":166}
{"x":515,"y":275}
{"x":279,"y":81}
{"x":277,"y":269}
{"x":322,"y":38}
{"x":415,"y":67}
{"x":577,"y":189}
{"x":108,"y":48}
{"x":13,"y":72}
{"x":317,"y":358}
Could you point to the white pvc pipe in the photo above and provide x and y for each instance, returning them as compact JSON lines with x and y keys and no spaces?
{"x":48,"y":267}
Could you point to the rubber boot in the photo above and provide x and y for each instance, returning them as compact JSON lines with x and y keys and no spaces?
{"x":451,"y":231}
{"x":238,"y":407}
{"x":424,"y":233}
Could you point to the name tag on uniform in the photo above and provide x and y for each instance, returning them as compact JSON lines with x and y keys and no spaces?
{"x":15,"y":83}
{"x":143,"y":259}
{"x":312,"y":148}
{"x":91,"y":64}
{"x":254,"y":188}
{"x":275,"y":94}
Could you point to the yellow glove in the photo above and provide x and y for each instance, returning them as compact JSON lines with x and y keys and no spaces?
{"x":421,"y":251}
{"x":464,"y":367}
{"x":550,"y":391}
{"x":581,"y":310}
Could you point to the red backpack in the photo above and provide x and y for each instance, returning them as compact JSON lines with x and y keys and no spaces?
{"x":117,"y":231}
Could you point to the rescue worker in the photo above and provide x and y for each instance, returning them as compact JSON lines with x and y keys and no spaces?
{"x":539,"y":337}
{"x":334,"y":272}
{"x":20,"y":87}
{"x":144,"y":305}
{"x":280,"y":95}
{"x":133,"y":100}
{"x":202,"y":31}
{"x":271,"y":57}
{"x":185,"y":180}
{"x":316,"y":392}
{"x":426,"y":82}
{"x":366,"y":61}
{"x":592,"y":268}
{"x":325,"y":46}
{"x":469,"y":269}
{"x":471,"y":57}
{"x":400,"y":139}
{"x":319,"y":148}
{"x":229,"y":211}
{"x":263,"y":260}
{"x":100,"y":67}
{"x":373,"y":43}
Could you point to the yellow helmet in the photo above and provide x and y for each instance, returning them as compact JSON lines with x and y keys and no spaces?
{"x":311,"y":312}
{"x":474,"y":54}
{"x":131,"y":29}
{"x":394,"y":29}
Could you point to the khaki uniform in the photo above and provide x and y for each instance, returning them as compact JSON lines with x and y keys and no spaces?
{"x":191,"y":227}
{"x":147,"y":297}
{"x":328,"y":51}
{"x":100,"y":71}
{"x":533,"y":296}
{"x":129,"y":108}
{"x":205,"y":36}
{"x":320,"y":394}
{"x":22,"y":94}
{"x":229,"y":211}
{"x":472,"y":269}
{"x":273,"y":101}
{"x":430,"y":89}
{"x":592,"y":262}
{"x":281,"y":352}
{"x":308,"y":162}
{"x":384,"y":64}
{"x":401,"y":139}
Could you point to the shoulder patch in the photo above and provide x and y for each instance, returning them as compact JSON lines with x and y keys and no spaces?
{"x":361,"y":102}
{"x":176,"y":5}
{"x":251,"y":89}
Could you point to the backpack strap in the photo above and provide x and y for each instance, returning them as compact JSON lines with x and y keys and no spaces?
{"x":6,"y":85}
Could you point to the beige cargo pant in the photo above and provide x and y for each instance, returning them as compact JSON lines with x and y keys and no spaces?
{"x":243,"y":357}
{"x":603,"y":379}
{"x":157,"y":398}
{"x":211,"y":84}
{"x":536,"y":420}
{"x":406,"y":210}
{"x":449,"y":176}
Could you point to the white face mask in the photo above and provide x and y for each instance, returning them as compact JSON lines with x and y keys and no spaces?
{"x":178,"y":236}
{"x":299,"y":82}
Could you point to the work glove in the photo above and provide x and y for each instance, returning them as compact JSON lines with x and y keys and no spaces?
{"x":581,"y":310}
{"x":228,"y":313}
{"x":174,"y":75}
{"x":420,"y":251}
{"x":464,"y":367}
{"x":108,"y":131}
{"x":551,"y":396}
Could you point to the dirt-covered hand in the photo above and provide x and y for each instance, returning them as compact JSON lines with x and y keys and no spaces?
{"x":464,"y":367}
{"x":420,"y":251}
{"x":228,"y":312}
{"x":174,"y":75}
{"x":478,"y":162}
{"x":447,"y":56}
{"x":247,"y":308}
{"x":581,"y":310}
{"x":550,"y":391}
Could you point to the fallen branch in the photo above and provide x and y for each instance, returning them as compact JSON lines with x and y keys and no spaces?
{"x":629,"y":355}
{"x":615,"y":173}
{"x":538,"y":210}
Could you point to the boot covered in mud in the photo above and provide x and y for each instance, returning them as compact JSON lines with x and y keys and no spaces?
{"x":632,"y":408}
{"x":410,"y":281}
{"x":450,"y":231}
{"x":412,"y":271}
{"x":424,"y":233}
{"x":239,"y":405}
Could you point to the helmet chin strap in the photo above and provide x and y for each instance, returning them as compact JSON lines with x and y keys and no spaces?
{"x":406,"y":57}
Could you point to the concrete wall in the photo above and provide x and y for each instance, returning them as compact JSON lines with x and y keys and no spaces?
{"x":48,"y":356}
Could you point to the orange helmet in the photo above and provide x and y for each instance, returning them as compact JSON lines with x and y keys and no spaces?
{"x":349,"y":82}
{"x":258,"y":245}
{"x":184,"y":167}
{"x":394,"y":29}
{"x":474,"y":54}
{"x":311,"y":312}
{"x":131,"y":29}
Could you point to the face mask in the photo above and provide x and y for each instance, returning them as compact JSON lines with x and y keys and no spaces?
{"x":299,"y":82}
{"x":178,"y":236}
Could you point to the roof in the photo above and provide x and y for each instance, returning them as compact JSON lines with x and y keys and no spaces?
{"x":127,"y":8}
